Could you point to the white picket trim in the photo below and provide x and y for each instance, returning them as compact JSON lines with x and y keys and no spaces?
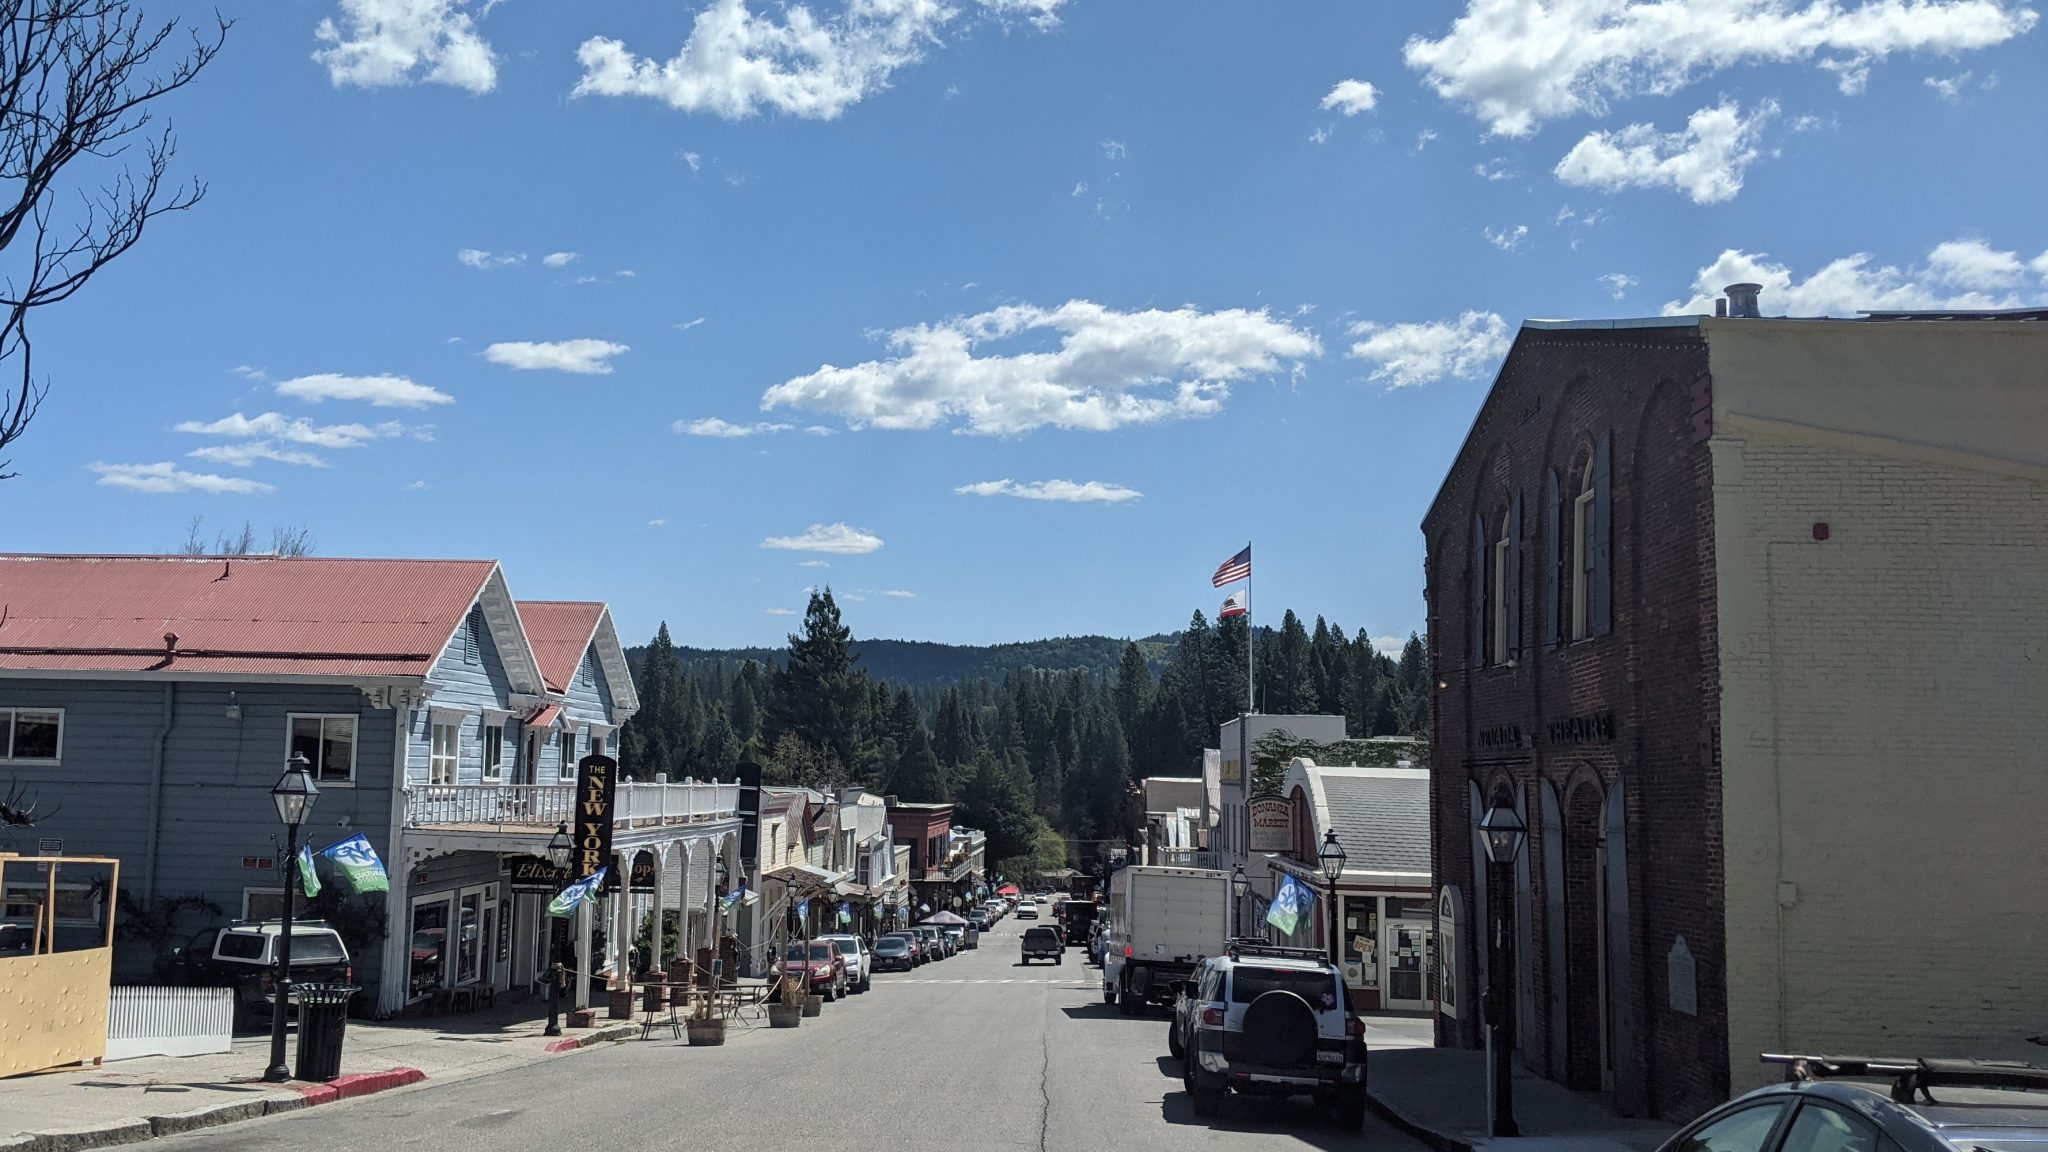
{"x":147,"y":1021}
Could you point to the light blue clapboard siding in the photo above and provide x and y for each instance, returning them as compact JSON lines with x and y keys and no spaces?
{"x":461,"y":685}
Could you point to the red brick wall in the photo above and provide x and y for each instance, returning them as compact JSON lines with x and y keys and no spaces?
{"x":1653,"y":673}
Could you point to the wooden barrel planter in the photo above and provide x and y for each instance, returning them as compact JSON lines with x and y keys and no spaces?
{"x":785,"y":1015}
{"x":706,"y":1033}
{"x":814,"y":1005}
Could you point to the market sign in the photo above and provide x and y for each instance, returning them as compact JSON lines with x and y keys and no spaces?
{"x":596,"y":794}
{"x":1272,"y":824}
{"x":536,"y":874}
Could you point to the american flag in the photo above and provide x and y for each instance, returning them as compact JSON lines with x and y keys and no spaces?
{"x":1238,"y":567}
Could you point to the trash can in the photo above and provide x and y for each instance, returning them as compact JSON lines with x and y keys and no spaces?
{"x":323,"y":1017}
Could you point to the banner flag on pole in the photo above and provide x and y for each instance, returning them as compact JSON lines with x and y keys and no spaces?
{"x":1238,"y":567}
{"x":845,"y":913}
{"x":803,"y":909}
{"x":735,"y":896}
{"x":308,"y":878}
{"x":1290,"y":903}
{"x":1236,"y":604}
{"x":575,"y":894}
{"x":360,"y":868}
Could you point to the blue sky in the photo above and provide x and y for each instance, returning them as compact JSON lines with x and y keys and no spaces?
{"x":1008,"y":318}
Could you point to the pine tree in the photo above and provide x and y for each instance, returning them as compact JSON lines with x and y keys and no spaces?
{"x":743,"y":711}
{"x":918,"y":777}
{"x":1288,"y":683}
{"x":1133,"y":687}
{"x":819,"y":696}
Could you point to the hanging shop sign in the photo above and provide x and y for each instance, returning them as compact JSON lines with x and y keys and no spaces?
{"x":536,"y":874}
{"x":1272,"y":824}
{"x":645,"y":868}
{"x":596,"y":794}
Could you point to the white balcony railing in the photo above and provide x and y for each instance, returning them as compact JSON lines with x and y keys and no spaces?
{"x":541,"y":805}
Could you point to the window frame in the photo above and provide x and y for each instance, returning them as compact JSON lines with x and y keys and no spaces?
{"x":565,"y":744}
{"x":435,"y":725}
{"x":1785,"y":1106}
{"x":10,"y":712}
{"x":259,"y":890}
{"x":1582,"y":555}
{"x":491,"y":768}
{"x":355,"y":743}
{"x":1498,"y":593}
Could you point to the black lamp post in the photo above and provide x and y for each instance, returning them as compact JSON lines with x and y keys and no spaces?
{"x":1332,"y":856}
{"x":294,"y":794}
{"x":1503,"y":832}
{"x":560,"y":849}
{"x":1240,"y":884}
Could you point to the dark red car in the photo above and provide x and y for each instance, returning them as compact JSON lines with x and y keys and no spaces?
{"x":822,"y":963}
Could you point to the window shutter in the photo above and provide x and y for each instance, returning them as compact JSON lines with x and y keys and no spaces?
{"x":1553,"y":569}
{"x":473,"y":626}
{"x":1600,"y":601}
{"x":1477,"y":615}
{"x":1514,"y":580}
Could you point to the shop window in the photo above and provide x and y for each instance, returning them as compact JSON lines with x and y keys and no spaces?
{"x":567,"y":768}
{"x":441,"y":753}
{"x":494,"y":753}
{"x":35,"y":734}
{"x":429,"y":964}
{"x":327,"y":742}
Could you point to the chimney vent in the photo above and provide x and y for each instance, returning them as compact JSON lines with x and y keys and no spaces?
{"x":1721,"y":306}
{"x":1742,"y":300}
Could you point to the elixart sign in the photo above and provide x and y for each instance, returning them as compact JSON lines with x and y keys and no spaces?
{"x":596,"y":793}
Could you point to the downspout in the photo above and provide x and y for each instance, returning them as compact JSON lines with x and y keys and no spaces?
{"x":391,"y":993}
{"x":156,"y":790}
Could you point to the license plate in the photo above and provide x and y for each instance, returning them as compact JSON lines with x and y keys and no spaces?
{"x":1329,"y":1057}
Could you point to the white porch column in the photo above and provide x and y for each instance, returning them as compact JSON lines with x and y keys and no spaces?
{"x":584,"y":964}
{"x":656,"y":961}
{"x":622,"y":921}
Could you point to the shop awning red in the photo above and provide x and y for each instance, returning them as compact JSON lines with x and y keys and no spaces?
{"x":1009,"y":890}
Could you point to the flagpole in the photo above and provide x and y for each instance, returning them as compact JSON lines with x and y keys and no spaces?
{"x":1251,"y":637}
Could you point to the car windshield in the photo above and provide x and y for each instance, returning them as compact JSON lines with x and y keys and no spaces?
{"x":890,"y":946}
{"x":1317,"y":987}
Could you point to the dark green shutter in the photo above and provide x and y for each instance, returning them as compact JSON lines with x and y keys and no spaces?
{"x":1514,"y":580}
{"x":1600,"y":600}
{"x":1553,"y":569}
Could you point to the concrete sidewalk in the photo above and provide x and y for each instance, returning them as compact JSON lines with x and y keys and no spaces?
{"x":131,"y":1100}
{"x":1438,"y":1095}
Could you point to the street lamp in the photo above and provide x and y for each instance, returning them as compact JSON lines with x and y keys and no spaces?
{"x":293,"y":793}
{"x":1503,"y":831}
{"x":1240,"y":884}
{"x":1332,"y":856}
{"x":559,"y":850}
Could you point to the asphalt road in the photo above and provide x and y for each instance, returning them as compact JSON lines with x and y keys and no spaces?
{"x":974,"y":1052}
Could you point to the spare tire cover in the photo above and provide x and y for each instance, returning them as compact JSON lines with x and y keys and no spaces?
{"x":1280,"y":1029}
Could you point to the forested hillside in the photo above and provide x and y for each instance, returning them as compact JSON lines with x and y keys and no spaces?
{"x":1037,"y":742}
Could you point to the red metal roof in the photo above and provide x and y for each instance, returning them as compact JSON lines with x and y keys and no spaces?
{"x":560,"y":632}
{"x":264,"y":615}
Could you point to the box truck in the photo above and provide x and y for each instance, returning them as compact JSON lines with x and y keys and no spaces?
{"x":1162,"y":921}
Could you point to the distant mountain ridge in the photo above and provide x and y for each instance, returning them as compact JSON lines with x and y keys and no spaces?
{"x":923,"y":663}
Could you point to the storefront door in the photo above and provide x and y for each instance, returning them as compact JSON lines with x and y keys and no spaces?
{"x":1408,"y":948}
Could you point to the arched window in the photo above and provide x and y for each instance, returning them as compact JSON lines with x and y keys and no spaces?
{"x":1502,"y":543}
{"x":1582,"y":551}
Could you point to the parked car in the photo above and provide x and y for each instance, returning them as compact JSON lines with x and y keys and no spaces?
{"x":894,"y":953}
{"x":956,"y":937}
{"x":914,"y":941}
{"x":1274,"y":1021}
{"x":243,"y":956}
{"x":1042,"y":942}
{"x":934,"y":941}
{"x":1927,"y":1106}
{"x":1098,"y":943}
{"x":821,"y":963}
{"x":978,"y":920}
{"x":860,"y":965}
{"x":1182,"y":1029}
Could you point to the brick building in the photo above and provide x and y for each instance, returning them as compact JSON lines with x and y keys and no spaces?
{"x":1745,"y":616}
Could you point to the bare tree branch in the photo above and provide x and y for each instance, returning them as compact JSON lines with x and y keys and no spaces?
{"x":77,"y":81}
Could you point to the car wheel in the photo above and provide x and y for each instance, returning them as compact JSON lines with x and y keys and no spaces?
{"x":1347,"y":1112}
{"x":1056,"y":959}
{"x":1173,"y":1044}
{"x":1128,"y":1003}
{"x":1206,"y":1100}
{"x":1109,"y":996}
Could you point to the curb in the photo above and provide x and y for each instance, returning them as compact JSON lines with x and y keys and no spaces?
{"x":1441,"y":1142}
{"x":593,"y":1037}
{"x":212,"y":1115}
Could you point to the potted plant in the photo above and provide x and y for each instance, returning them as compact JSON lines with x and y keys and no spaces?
{"x":705,"y":1026}
{"x":788,"y":1010}
{"x":814,"y":1004}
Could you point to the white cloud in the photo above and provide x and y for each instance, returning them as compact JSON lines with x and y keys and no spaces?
{"x":1706,"y":161}
{"x":1493,"y":171}
{"x":584,"y":357}
{"x":243,"y":454}
{"x":165,"y":477}
{"x":814,"y":563}
{"x":695,"y":161}
{"x":248,"y":373}
{"x":1517,"y":63}
{"x":1956,"y":274}
{"x":779,"y":611}
{"x":832,"y":539}
{"x":685,"y":327}
{"x":1114,"y":150}
{"x":1618,"y":283}
{"x":1423,"y":138}
{"x":1352,"y":97}
{"x":418,"y":486}
{"x":1063,"y":491}
{"x":1080,"y":188}
{"x":1108,"y":369}
{"x":484,"y":261}
{"x":899,"y":594}
{"x":737,"y":63}
{"x":295,"y":430}
{"x":1390,"y":644}
{"x":1039,"y":14}
{"x":1320,"y":136}
{"x":380,"y":43}
{"x":1412,"y":354}
{"x":713,"y":426}
{"x":658,"y":522}
{"x":377,"y":391}
{"x":821,"y":430}
{"x":1507,"y":239}
{"x":560,"y":259}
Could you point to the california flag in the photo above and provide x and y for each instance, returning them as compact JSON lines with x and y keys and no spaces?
{"x":1238,"y":604}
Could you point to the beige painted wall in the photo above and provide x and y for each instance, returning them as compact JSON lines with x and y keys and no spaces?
{"x":1885,"y":692}
{"x":53,"y":1009}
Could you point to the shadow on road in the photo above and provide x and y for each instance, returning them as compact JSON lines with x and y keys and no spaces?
{"x":1297,"y":1118}
{"x":1092,"y":1011}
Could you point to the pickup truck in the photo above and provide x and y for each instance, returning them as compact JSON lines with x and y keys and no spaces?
{"x":243,"y":956}
{"x":1042,"y":942}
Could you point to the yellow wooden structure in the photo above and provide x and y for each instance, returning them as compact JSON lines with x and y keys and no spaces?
{"x":53,"y":1005}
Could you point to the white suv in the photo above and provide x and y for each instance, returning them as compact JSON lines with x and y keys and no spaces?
{"x":860,"y":963}
{"x":1274,"y":1021}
